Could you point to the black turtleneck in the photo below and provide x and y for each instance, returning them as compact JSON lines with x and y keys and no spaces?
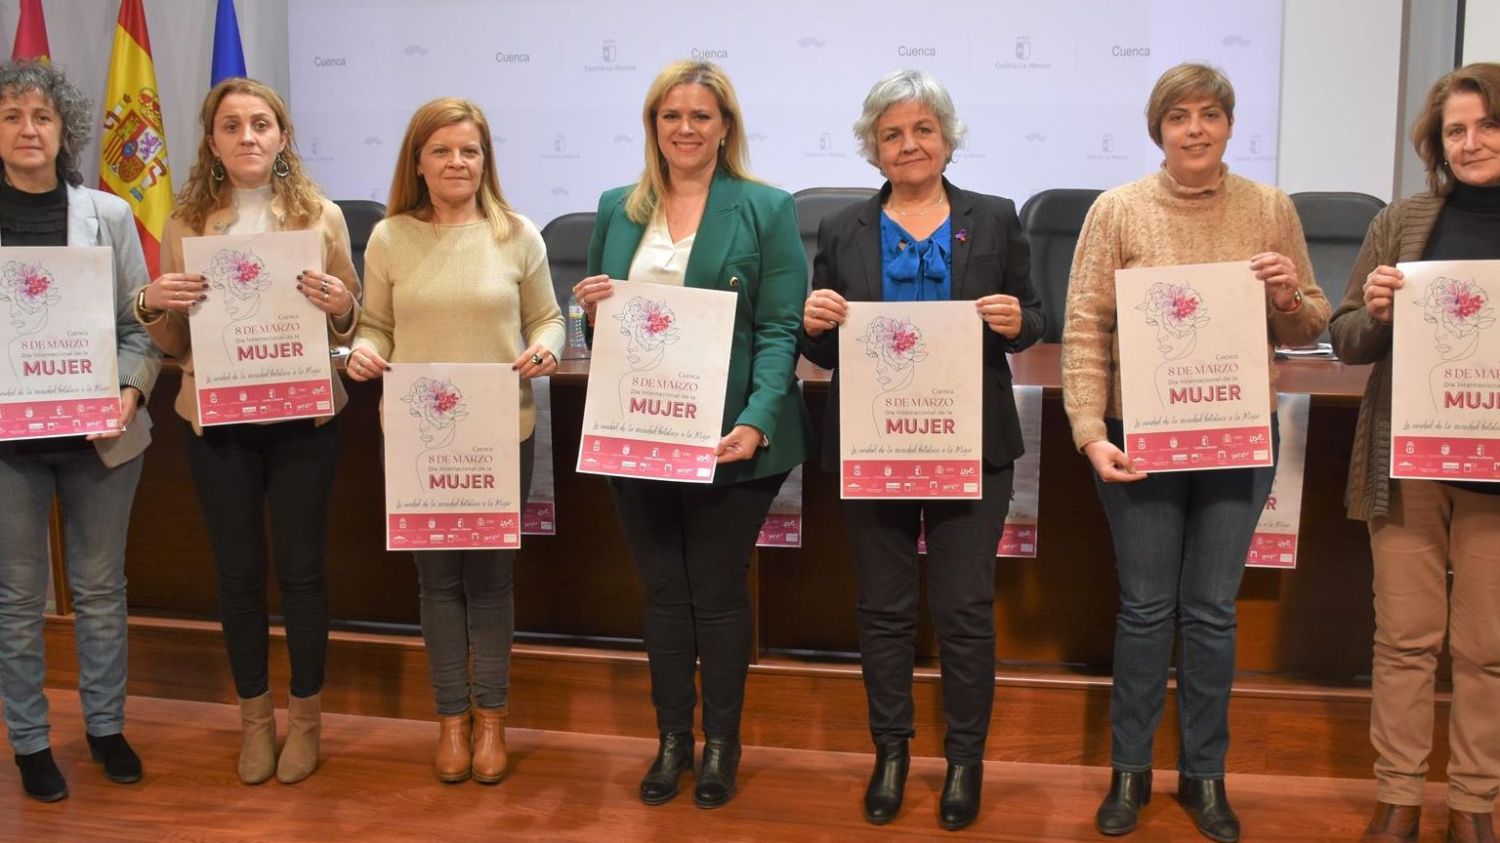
{"x":33,"y":219}
{"x":1468,"y":228}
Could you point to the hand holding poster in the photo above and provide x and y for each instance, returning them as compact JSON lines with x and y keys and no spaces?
{"x":260,"y":348}
{"x":910,"y":408}
{"x":1445,"y":372}
{"x":657,"y":377}
{"x":60,"y":376}
{"x":1194,"y":374}
{"x":452,"y":456}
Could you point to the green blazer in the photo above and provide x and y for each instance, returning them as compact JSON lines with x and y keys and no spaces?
{"x":747,"y":244}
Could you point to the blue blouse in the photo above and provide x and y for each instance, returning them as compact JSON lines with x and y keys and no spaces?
{"x":912,"y":269}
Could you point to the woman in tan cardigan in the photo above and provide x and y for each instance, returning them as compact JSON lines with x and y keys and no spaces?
{"x":1420,"y":530}
{"x":248,"y":180}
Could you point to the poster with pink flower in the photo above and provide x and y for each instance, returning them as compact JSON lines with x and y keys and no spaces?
{"x":60,"y":374}
{"x":260,"y":348}
{"x":910,"y":409}
{"x":1195,"y":384}
{"x":660,"y":366}
{"x":452,"y":456}
{"x":1445,"y":372}
{"x":1274,"y":544}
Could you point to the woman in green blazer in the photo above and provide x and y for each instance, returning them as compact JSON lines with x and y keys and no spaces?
{"x":697,"y":218}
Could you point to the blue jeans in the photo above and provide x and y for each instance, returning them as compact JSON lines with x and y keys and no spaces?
{"x":1180,"y":544}
{"x":96,"y":515}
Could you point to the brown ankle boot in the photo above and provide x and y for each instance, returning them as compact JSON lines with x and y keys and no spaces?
{"x":489,"y":745}
{"x":257,"y":739}
{"x":1393,"y":824}
{"x":299,"y":755}
{"x":1464,"y":827}
{"x":454,"y":758}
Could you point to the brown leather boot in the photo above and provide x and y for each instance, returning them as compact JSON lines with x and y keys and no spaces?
{"x":257,"y":739}
{"x":1393,"y":824}
{"x":454,"y":758}
{"x":489,"y":745}
{"x":1464,"y":827}
{"x":299,"y":755}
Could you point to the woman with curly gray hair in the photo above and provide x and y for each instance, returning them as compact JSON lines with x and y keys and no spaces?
{"x":44,"y":123}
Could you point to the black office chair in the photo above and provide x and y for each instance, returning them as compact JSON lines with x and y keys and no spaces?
{"x":567,"y":239}
{"x":360,"y":215}
{"x":1334,"y":225}
{"x":816,"y":203}
{"x":1052,"y":221}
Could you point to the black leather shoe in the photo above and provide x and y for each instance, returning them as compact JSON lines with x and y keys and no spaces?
{"x":721,"y":763}
{"x":674,"y":756}
{"x":1127,"y":793}
{"x":121,"y":764}
{"x":40,"y":776}
{"x":888,"y":782}
{"x":959,"y":805}
{"x":1208,"y":805}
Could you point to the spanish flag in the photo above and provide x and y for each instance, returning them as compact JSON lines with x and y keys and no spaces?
{"x":31,"y":34}
{"x":133,"y":148}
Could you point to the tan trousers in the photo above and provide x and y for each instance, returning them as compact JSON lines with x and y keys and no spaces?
{"x":1432,"y":529}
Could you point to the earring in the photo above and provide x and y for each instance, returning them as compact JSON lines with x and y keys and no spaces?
{"x":216,"y":170}
{"x":281,"y":168}
{"x":721,"y":141}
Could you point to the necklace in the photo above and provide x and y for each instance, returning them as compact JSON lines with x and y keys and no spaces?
{"x":942,"y":197}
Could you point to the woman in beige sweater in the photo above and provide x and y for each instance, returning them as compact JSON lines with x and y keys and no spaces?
{"x":1180,"y":538}
{"x":249,"y":179}
{"x":468,"y":278}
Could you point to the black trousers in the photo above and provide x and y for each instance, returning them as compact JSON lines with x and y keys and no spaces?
{"x":692,"y":544}
{"x":961,"y":541}
{"x":241,"y":470}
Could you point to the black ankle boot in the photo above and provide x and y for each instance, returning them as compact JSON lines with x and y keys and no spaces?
{"x":121,"y":764}
{"x":721,"y":762}
{"x":959,"y":805}
{"x":1208,"y":805}
{"x":40,"y":776}
{"x":888,"y":782}
{"x":674,"y":756}
{"x":1127,"y":793}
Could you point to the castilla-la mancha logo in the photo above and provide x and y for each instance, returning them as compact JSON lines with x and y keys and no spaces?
{"x":609,"y":55}
{"x":133,"y":149}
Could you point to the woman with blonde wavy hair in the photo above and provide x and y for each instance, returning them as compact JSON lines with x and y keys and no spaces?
{"x":468,"y":277}
{"x":248,"y":180}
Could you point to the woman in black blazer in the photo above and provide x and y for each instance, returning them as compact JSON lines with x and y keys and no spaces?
{"x":921,"y":238}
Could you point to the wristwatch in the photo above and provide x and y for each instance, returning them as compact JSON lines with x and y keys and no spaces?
{"x":1296,"y":303}
{"x":141,"y":308}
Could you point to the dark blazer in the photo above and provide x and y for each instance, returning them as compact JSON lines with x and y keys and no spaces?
{"x":747,"y":244}
{"x":990,"y":255}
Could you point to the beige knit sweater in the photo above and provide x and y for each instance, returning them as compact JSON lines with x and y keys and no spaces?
{"x":451,"y":294}
{"x":1155,"y":221}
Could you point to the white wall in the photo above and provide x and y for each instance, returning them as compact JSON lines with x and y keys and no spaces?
{"x":1341,"y":75}
{"x":1481,"y":31}
{"x":81,"y":33}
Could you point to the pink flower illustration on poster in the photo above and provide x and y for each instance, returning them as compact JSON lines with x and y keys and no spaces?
{"x":438,"y":407}
{"x":1177,"y":312}
{"x":649,"y":326}
{"x":238,"y":278}
{"x":30,"y":291}
{"x":1459,"y":312}
{"x":896,"y":346}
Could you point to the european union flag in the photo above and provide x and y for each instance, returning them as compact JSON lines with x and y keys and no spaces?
{"x":229,"y":57}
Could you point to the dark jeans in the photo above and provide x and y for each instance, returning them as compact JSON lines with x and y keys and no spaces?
{"x":468,"y":607}
{"x":1180,"y":545}
{"x":241,"y":470}
{"x":692,"y":544}
{"x":961,"y":540}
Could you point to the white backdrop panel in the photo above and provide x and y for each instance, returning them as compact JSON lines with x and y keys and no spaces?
{"x":1053,"y":93}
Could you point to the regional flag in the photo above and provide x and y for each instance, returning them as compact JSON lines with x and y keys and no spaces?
{"x":133,"y":148}
{"x":31,"y":34}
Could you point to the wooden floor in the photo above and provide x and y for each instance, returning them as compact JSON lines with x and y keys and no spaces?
{"x":375,"y":785}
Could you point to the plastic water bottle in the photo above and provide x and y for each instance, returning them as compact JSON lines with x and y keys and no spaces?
{"x":578,"y":348}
